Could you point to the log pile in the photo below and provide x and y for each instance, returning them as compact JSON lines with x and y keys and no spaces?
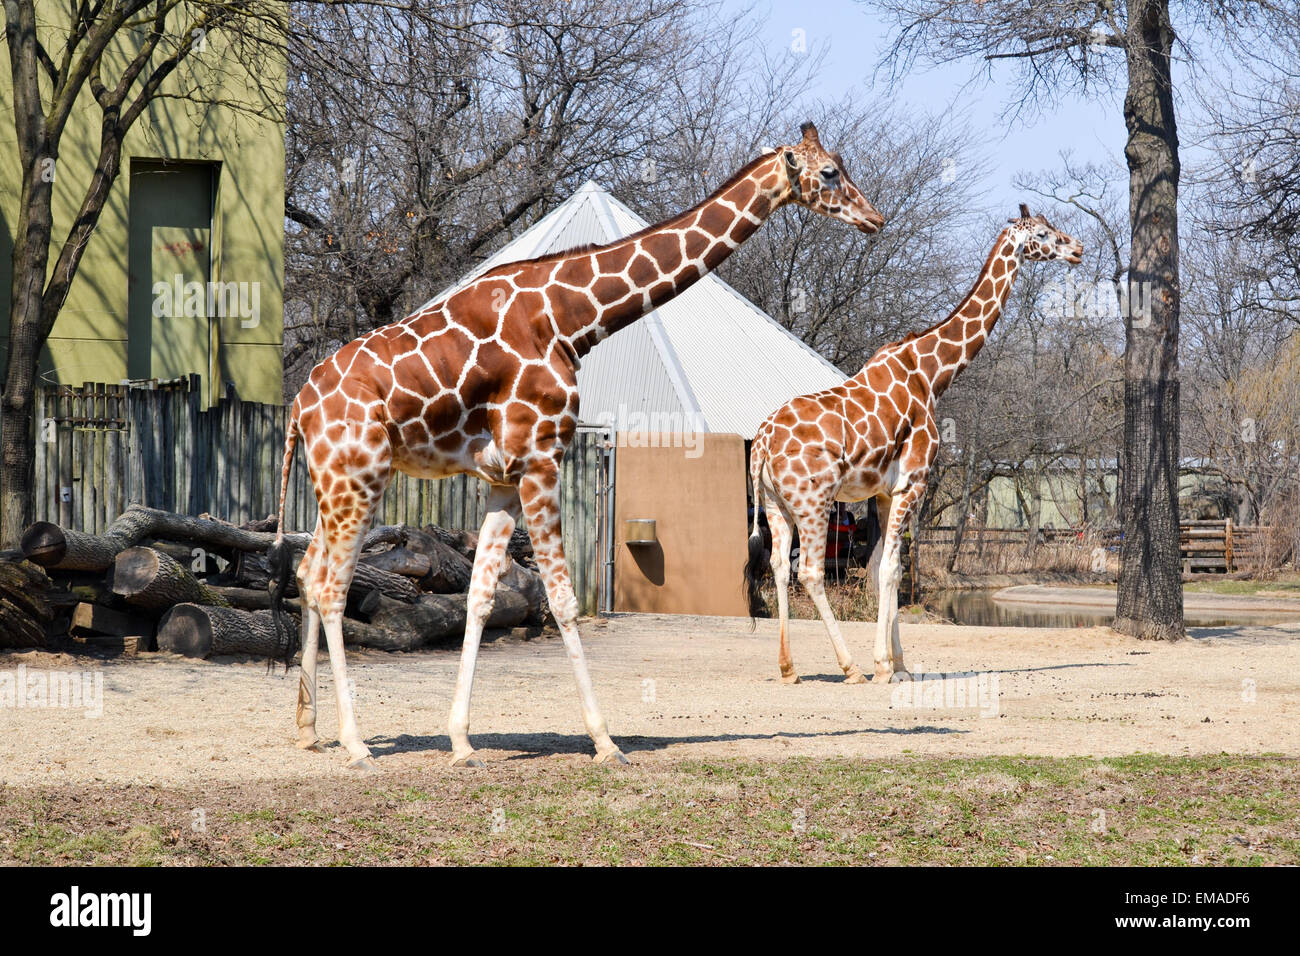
{"x":201,"y":587}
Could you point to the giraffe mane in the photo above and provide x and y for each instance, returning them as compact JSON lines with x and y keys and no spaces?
{"x":960,"y":302}
{"x":589,"y":247}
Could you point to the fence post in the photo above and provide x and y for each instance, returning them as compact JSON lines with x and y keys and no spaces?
{"x":1227,"y":545}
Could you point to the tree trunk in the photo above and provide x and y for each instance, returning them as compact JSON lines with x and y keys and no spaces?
{"x":32,"y":232}
{"x":1150,"y":600}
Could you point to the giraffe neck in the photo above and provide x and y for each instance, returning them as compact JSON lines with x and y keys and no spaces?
{"x":958,"y":339}
{"x":634,"y":275}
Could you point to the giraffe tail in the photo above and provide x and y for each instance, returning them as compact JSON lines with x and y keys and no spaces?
{"x":280,"y":555}
{"x":756,"y":566}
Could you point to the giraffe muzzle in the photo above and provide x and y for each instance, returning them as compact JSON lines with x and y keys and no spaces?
{"x":874,"y":221}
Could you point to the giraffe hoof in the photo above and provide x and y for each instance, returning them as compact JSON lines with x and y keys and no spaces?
{"x":883,"y":674}
{"x":854,"y":675}
{"x":469,"y":760}
{"x":790,"y":678}
{"x":364,"y":764}
{"x":612,"y":756}
{"x":314,"y":745}
{"x":901,"y":674}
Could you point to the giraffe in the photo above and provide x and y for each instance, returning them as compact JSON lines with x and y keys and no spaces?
{"x":875,"y":435}
{"x":483,"y":382}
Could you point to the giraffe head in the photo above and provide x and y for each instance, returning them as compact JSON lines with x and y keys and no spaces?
{"x":1042,"y":241}
{"x":818,"y":180}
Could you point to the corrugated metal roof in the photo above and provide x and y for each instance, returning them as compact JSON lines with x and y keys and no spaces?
{"x":709,"y":358}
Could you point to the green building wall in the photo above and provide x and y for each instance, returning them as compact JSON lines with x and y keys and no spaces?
{"x":243,"y":140}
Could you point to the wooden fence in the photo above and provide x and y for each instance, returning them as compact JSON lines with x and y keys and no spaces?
{"x":1217,"y":546}
{"x":101,"y":448}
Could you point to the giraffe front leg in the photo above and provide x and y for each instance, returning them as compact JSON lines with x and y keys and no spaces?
{"x":540,"y":492}
{"x":890,"y":575}
{"x":889,"y":650}
{"x":489,"y":562}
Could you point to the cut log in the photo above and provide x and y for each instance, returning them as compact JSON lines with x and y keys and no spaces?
{"x":252,"y":572}
{"x":434,"y":619}
{"x":401,"y":561}
{"x":95,"y":619}
{"x":449,"y":570}
{"x":54,"y":547}
{"x":187,"y":555}
{"x":25,"y":613}
{"x":439,"y":618}
{"x":199,"y":631}
{"x":128,"y":646}
{"x":394,"y":534}
{"x":246,"y":599}
{"x":50,"y":546}
{"x":150,"y":579}
{"x":528,"y":584}
{"x":463,"y":542}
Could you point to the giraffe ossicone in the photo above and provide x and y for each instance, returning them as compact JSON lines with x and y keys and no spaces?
{"x":483,"y":382}
{"x":875,"y":435}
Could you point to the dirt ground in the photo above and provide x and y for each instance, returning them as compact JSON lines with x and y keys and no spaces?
{"x":677,"y":688}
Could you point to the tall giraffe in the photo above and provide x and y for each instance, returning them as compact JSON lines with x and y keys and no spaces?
{"x":483,"y":382}
{"x":875,"y":435}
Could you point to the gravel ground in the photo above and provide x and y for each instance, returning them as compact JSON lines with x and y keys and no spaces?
{"x":674,"y":688}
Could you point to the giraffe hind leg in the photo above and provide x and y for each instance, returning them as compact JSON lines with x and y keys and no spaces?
{"x":489,"y":562}
{"x":310,"y":640}
{"x":779,"y":522}
{"x":345,"y":517}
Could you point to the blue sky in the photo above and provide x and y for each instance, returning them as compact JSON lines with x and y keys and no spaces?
{"x":1093,"y":129}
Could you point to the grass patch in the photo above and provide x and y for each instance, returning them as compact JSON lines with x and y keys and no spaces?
{"x":1139,"y":810}
{"x":1281,"y":585}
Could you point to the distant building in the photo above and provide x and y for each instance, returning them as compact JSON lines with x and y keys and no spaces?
{"x":185,"y":272}
{"x":1009,"y":503}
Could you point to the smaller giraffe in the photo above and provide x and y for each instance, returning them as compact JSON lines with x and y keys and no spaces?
{"x":875,"y":435}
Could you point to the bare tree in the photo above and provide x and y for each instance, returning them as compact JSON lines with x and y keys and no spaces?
{"x":413,"y":155}
{"x":1254,"y":129}
{"x":1064,"y":45}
